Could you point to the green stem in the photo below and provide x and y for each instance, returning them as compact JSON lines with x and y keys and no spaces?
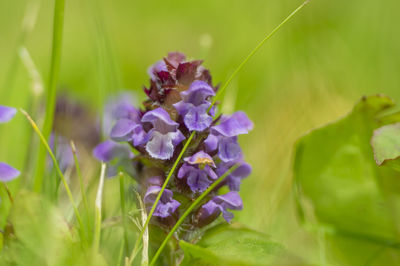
{"x":123,"y":210}
{"x":189,"y":210}
{"x":56,"y":165}
{"x":58,"y":22}
{"x":98,"y":202}
{"x":79,"y":173}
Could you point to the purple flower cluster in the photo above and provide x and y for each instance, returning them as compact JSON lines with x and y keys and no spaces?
{"x":179,"y":102}
{"x":7,"y":173}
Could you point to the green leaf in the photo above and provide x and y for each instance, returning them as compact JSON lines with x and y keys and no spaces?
{"x":39,"y":235}
{"x":234,"y":245}
{"x":340,"y":187}
{"x":386,"y":145}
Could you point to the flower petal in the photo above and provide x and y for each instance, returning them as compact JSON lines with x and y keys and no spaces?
{"x":229,"y":150}
{"x":197,"y":93}
{"x":200,"y":158}
{"x":197,"y":118}
{"x":197,"y":180}
{"x":6,"y":113}
{"x":122,"y":131}
{"x":8,"y":173}
{"x":108,"y":150}
{"x":160,"y":146}
{"x":234,"y":125}
{"x":160,"y":120}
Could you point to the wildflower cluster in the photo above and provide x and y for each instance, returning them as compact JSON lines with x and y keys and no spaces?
{"x":179,"y":102}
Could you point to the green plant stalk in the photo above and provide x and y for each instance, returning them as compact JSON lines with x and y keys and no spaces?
{"x":123,"y":210}
{"x":234,"y":74}
{"x":79,"y":173}
{"x":55,"y":64}
{"x":59,"y":172}
{"x":97,"y":207}
{"x":189,"y":210}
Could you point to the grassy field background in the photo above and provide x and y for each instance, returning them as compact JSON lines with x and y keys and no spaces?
{"x":309,"y":74}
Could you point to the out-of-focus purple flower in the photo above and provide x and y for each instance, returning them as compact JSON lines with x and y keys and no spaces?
{"x":234,"y":179}
{"x":6,"y":113}
{"x":219,"y":204}
{"x":194,"y":105}
{"x":197,"y":171}
{"x":116,"y":155}
{"x":166,"y":207}
{"x":109,"y":150}
{"x":164,"y":135}
{"x":119,"y":107}
{"x":8,"y":173}
{"x":224,"y":136}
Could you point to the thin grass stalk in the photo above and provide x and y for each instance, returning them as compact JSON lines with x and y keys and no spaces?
{"x":55,"y":64}
{"x":10,"y":197}
{"x":79,"y":173}
{"x":57,"y":167}
{"x":123,"y":211}
{"x":233,"y":75}
{"x":97,"y":206}
{"x":189,"y":210}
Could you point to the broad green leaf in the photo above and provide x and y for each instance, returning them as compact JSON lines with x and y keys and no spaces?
{"x":338,"y":180}
{"x":235,"y":245}
{"x":386,"y":145}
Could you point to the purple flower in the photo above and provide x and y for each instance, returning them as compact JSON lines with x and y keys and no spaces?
{"x":164,"y":135}
{"x":219,"y":204}
{"x":8,"y":173}
{"x":234,"y":179}
{"x":116,"y":155}
{"x":194,"y":105}
{"x":224,"y":136}
{"x":6,"y":113}
{"x":109,"y":150}
{"x":166,"y":207}
{"x":197,"y":171}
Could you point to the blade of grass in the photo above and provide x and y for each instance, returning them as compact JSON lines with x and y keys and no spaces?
{"x":57,"y":167}
{"x":98,"y":202}
{"x":189,"y":210}
{"x":55,"y":64}
{"x":234,"y":74}
{"x":123,"y":210}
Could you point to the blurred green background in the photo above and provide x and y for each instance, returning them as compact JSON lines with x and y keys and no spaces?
{"x":310,"y":73}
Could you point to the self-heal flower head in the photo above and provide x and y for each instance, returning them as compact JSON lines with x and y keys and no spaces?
{"x":164,"y":135}
{"x":224,"y":136}
{"x":220,"y":204}
{"x":166,"y":207}
{"x":194,"y":105}
{"x":6,"y":113}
